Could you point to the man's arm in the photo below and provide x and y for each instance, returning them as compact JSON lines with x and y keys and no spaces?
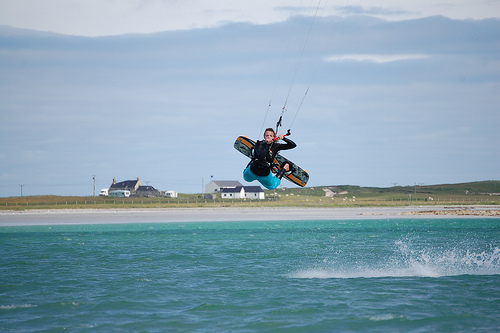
{"x":289,"y":144}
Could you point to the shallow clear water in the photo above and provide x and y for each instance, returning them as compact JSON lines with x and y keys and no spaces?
{"x":406,"y":275}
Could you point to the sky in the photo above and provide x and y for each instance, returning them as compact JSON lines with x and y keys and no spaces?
{"x":402,"y":93}
{"x":111,"y":17}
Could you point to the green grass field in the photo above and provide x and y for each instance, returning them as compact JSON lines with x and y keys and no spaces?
{"x":476,"y":193}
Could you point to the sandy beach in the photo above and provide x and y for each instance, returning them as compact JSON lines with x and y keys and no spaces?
{"x":94,"y":216}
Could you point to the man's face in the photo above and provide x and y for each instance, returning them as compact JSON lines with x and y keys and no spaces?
{"x":269,"y":136}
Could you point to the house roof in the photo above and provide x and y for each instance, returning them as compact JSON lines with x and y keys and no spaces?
{"x":146,"y":188}
{"x":124,"y":185}
{"x":231,"y":189}
{"x":253,"y":189}
{"x":227,"y":183}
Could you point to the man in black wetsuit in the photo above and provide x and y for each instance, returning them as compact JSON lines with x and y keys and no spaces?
{"x":261,"y":165}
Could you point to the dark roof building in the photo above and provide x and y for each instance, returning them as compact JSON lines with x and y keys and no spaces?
{"x":147,"y":191}
{"x":138,"y":190}
{"x":237,"y":192}
{"x":130,"y":185}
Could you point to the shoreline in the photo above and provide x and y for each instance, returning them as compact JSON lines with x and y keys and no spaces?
{"x":228,"y":214}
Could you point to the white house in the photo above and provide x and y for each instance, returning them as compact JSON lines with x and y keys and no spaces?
{"x":233,"y":193}
{"x":254,"y":193}
{"x":243,"y":192}
{"x":216,"y":186}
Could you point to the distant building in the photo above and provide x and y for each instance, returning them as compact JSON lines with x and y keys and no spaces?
{"x":233,"y":193}
{"x":134,"y":188}
{"x":254,"y":193}
{"x":243,"y":192}
{"x":216,"y":186}
{"x":128,"y":185}
{"x":146,"y":191}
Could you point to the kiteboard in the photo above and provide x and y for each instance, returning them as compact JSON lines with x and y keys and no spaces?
{"x":298,"y":176}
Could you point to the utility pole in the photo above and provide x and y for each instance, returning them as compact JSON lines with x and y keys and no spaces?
{"x":21,"y":189}
{"x":93,"y":178}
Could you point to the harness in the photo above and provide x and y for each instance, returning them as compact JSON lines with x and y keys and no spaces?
{"x":262,"y":158}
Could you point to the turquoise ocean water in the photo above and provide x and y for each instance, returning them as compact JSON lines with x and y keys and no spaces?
{"x":394,"y":275}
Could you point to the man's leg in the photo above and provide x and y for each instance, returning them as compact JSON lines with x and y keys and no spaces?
{"x":270,"y":181}
{"x":248,"y":175}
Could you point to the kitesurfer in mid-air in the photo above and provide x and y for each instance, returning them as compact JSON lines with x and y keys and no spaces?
{"x":262,"y":163}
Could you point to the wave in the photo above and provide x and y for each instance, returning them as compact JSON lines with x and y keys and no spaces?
{"x":16,"y":306}
{"x":411,"y":263}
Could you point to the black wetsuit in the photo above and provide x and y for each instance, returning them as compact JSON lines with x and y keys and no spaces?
{"x":264,"y":153}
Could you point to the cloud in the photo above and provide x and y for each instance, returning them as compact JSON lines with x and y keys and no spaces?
{"x":105,"y":18}
{"x":374,"y":11}
{"x":375,"y":58}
